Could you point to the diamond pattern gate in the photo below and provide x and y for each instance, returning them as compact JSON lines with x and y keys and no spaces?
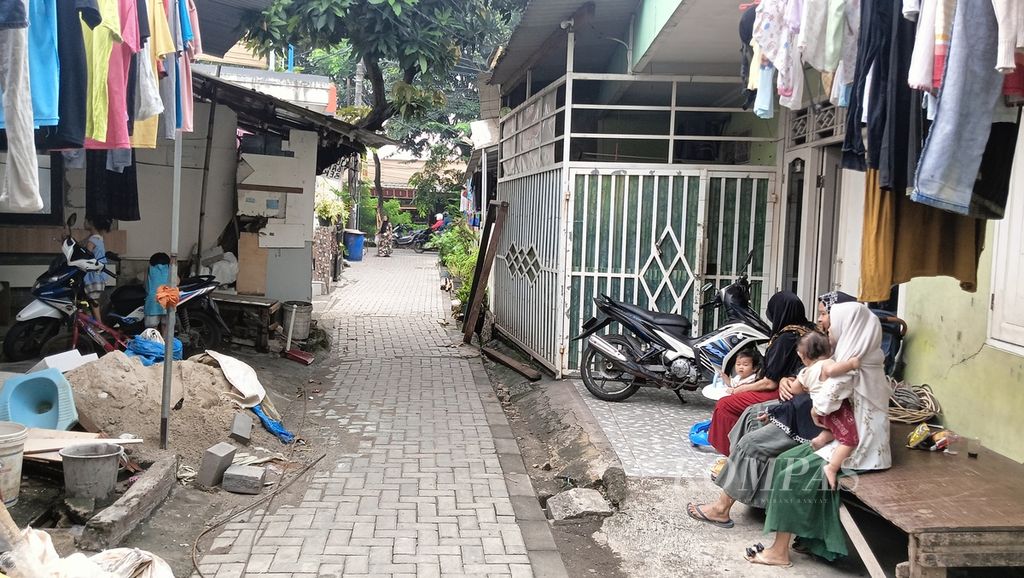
{"x":527,"y":308}
{"x":645,"y":237}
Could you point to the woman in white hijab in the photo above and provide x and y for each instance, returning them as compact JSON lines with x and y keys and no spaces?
{"x":801,"y":504}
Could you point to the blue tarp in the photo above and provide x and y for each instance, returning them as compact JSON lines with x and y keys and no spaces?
{"x":273,"y":426}
{"x":150,"y":352}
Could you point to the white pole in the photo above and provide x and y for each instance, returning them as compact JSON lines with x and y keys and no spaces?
{"x":165,"y":400}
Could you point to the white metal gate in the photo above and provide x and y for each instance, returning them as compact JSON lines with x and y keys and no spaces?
{"x":653,"y":237}
{"x":526,"y":269}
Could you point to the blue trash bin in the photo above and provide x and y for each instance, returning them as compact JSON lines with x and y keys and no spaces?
{"x":354,"y":240}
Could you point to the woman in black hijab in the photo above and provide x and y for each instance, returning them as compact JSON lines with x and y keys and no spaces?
{"x":789,"y":322}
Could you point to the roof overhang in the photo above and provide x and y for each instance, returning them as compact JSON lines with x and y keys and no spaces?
{"x":264,"y":114}
{"x":221,"y":22}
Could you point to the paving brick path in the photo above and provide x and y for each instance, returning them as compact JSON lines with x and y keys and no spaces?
{"x":422,"y":477}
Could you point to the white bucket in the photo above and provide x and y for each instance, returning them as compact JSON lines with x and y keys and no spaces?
{"x":12,"y":448}
{"x":90,"y":469}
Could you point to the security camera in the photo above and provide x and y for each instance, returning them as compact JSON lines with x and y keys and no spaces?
{"x":566,"y":24}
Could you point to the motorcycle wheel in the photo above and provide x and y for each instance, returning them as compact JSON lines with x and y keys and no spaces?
{"x":61,"y":343}
{"x":597,"y":371}
{"x":418,"y":247}
{"x":25,"y":339}
{"x":203,"y":333}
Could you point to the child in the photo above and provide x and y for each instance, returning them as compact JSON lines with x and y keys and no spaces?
{"x":159,"y":274}
{"x":96,"y":282}
{"x":745,"y":368}
{"x":814,"y":350}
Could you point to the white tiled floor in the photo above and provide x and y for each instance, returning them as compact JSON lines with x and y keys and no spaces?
{"x":650,"y":432}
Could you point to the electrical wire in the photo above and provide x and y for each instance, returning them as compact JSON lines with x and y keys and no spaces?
{"x":912,"y":403}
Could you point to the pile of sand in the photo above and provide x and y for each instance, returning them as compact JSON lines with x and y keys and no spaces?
{"x":122,"y":396}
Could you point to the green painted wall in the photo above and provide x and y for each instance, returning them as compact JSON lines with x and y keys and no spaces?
{"x":651,"y":18}
{"x":981,"y":388}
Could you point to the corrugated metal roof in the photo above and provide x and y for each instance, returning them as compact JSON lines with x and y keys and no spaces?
{"x":543,"y":18}
{"x":220,"y":22}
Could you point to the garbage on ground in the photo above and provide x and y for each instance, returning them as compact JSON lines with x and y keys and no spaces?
{"x":274,"y":426}
{"x":42,"y":399}
{"x":931,"y":438}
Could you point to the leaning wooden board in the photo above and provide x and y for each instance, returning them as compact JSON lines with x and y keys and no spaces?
{"x":42,"y":446}
{"x":50,"y":434}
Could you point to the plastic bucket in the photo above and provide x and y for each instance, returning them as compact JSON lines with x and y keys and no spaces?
{"x":303,"y":313}
{"x":354,"y":240}
{"x":90,"y":469}
{"x":12,"y":448}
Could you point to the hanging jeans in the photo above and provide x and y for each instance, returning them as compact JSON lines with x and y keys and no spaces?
{"x":20,"y":192}
{"x":956,"y":144}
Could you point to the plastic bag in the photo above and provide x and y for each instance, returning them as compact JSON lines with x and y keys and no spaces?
{"x":150,"y":352}
{"x":35,"y":557}
{"x":273,"y":426}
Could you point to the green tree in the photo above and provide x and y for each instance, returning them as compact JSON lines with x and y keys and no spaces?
{"x":424,"y":40}
{"x":438,"y":185}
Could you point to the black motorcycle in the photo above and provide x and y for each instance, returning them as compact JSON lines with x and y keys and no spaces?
{"x":656,"y":350}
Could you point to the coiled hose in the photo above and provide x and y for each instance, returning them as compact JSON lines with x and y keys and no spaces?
{"x":912,"y":403}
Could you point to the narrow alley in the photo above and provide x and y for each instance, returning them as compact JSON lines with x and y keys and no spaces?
{"x":412,"y":483}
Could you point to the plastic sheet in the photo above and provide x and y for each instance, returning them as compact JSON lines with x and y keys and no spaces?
{"x":150,"y":352}
{"x":273,"y":426}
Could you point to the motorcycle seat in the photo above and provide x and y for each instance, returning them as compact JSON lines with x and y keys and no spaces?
{"x":680,"y":324}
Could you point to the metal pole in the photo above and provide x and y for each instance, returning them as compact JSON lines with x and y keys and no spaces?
{"x":206,"y":180}
{"x":165,"y":399}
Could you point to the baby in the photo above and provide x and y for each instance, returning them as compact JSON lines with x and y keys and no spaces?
{"x":745,"y":368}
{"x":814,"y":350}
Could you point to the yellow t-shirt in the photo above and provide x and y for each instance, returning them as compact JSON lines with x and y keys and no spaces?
{"x":160,"y":44}
{"x":98,"y":44}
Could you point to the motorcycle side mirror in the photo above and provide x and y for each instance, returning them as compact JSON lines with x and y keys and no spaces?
{"x":707,"y":287}
{"x":750,"y":259}
{"x":72,"y":220}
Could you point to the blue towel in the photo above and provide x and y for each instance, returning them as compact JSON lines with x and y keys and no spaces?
{"x":764,"y":104}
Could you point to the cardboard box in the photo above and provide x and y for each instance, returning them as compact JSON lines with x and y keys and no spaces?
{"x":252,"y":265}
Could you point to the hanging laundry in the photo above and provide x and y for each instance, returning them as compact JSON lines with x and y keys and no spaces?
{"x":20,"y":191}
{"x":160,"y":45}
{"x":43,"y":68}
{"x":811,"y":40}
{"x":74,"y":76}
{"x":872,"y":61}
{"x":922,"y":63}
{"x":764,"y":104}
{"x":99,"y":44}
{"x":960,"y":134}
{"x":169,"y":80}
{"x":912,"y":9}
{"x":108,"y":193}
{"x":903,"y":240}
{"x":1010,"y":16}
{"x":748,"y":64}
{"x":944,"y":12}
{"x":851,"y":39}
{"x":897,"y":139}
{"x":118,"y":80}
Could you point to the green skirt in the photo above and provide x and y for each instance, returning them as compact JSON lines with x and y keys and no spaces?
{"x":802,"y":504}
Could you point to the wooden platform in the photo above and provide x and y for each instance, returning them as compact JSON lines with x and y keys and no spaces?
{"x":263,"y":307}
{"x":957,"y":511}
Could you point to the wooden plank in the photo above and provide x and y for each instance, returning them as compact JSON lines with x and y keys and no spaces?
{"x":250,"y":300}
{"x":485,"y":240}
{"x":520,"y":368}
{"x":917,"y":570}
{"x":252,"y":265}
{"x":473,"y":313}
{"x":56,"y":434}
{"x":866,"y":555}
{"x":978,"y":494}
{"x":42,"y":446}
{"x":970,"y":549}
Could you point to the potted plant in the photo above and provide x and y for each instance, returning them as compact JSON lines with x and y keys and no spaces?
{"x":329,"y":207}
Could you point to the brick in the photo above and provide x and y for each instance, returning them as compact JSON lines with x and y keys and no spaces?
{"x":216,"y":460}
{"x":241,"y":428}
{"x":245,"y":479}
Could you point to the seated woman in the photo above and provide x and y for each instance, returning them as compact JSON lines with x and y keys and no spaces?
{"x":801,"y":503}
{"x":789,"y":322}
{"x":756,"y":442}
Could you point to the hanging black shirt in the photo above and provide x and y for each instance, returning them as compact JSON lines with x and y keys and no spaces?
{"x":70,"y":131}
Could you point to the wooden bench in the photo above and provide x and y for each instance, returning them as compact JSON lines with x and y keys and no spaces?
{"x":263,"y":307}
{"x":957,"y":511}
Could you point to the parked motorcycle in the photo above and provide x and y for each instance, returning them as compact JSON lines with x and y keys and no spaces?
{"x":656,"y":350}
{"x":59,"y":297}
{"x":406,"y":237}
{"x":199,"y":323}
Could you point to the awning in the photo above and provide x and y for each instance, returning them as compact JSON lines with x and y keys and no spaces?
{"x":262,"y":114}
{"x":221,"y":22}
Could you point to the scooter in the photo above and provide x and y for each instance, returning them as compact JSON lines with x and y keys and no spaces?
{"x":656,"y":350}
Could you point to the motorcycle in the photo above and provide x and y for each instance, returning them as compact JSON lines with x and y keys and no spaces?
{"x":656,"y":350}
{"x":199,"y":323}
{"x":407,"y":237}
{"x":60,"y":301}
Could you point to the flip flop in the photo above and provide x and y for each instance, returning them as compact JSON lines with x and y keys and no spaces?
{"x":800,"y":548}
{"x":700,"y":516}
{"x":757,"y":559}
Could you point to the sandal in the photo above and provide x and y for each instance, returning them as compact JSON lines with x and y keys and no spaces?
{"x":696,"y":513}
{"x":754,"y":557}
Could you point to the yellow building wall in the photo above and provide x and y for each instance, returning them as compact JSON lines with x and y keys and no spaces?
{"x":981,"y":388}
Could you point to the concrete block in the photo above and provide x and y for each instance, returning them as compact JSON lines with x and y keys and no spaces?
{"x":216,"y":461}
{"x":244,"y":479}
{"x":578,"y":503}
{"x":65,"y":362}
{"x":111,"y":526}
{"x":241,"y":428}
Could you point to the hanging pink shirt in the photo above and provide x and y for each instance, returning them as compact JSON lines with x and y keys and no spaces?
{"x":117,"y":80}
